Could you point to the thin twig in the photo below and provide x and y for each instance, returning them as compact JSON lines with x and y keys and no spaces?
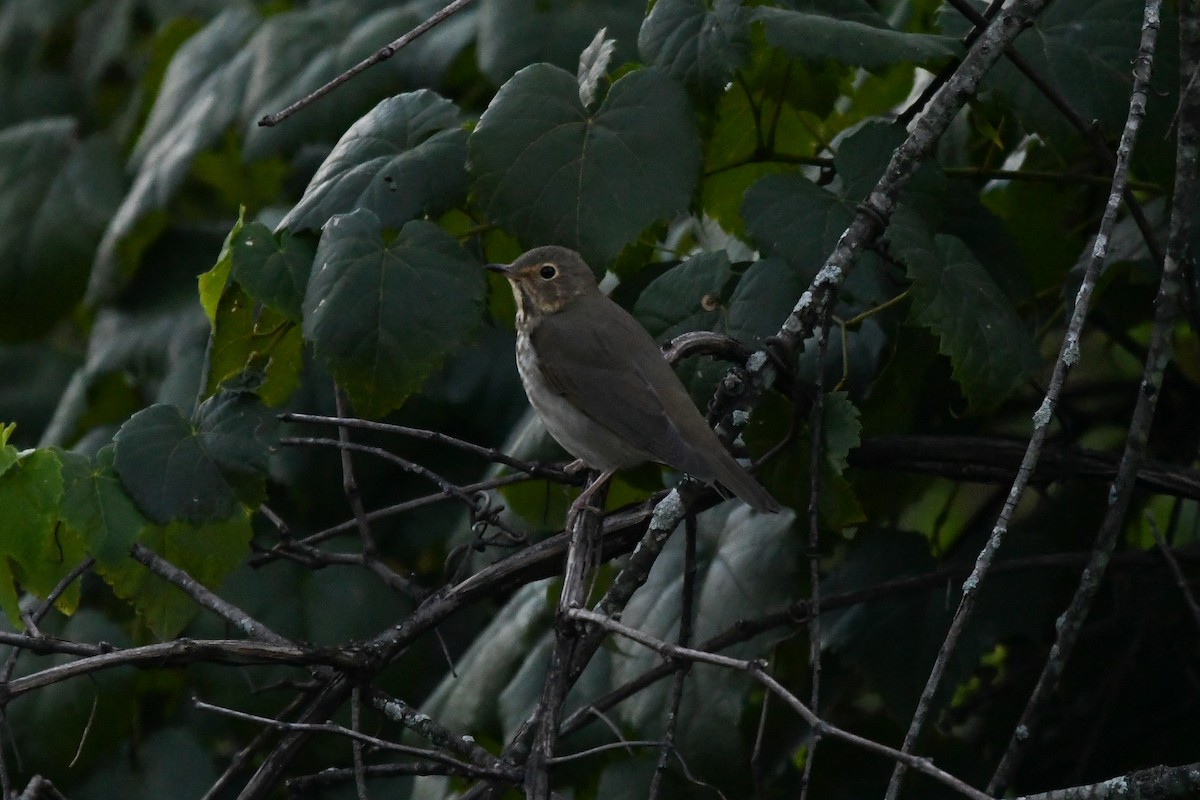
{"x":756,"y":671}
{"x":205,"y":597}
{"x":1068,"y":357}
{"x":383,"y":54}
{"x":1167,"y":304}
{"x":1176,"y":571}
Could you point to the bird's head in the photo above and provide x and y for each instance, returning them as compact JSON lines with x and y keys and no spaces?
{"x":545,"y":280}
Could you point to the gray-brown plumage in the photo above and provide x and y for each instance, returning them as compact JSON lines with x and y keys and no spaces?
{"x":600,"y":383}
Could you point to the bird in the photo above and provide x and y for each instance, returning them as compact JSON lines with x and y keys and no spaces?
{"x":601,"y":384}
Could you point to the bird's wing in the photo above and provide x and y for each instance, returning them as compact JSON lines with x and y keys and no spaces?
{"x":623,"y":387}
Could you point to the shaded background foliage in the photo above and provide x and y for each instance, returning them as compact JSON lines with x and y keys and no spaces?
{"x":711,"y":170}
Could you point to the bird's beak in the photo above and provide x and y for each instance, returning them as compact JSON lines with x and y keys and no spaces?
{"x":503,"y":269}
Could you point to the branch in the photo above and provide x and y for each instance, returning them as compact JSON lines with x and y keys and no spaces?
{"x":1167,"y":305}
{"x":383,"y":54}
{"x":756,"y":671}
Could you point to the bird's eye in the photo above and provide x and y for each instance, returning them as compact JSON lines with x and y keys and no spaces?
{"x":548,"y":271}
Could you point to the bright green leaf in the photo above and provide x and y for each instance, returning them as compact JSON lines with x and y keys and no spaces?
{"x":406,"y":157}
{"x":37,"y":551}
{"x":555,"y":173}
{"x":208,"y":553}
{"x":384,"y":315}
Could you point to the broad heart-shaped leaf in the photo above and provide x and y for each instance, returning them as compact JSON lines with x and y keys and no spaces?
{"x":273,"y":270}
{"x":849,"y":32}
{"x":176,"y":470}
{"x":95,"y":504}
{"x":514,"y":33}
{"x":555,"y":173}
{"x":746,"y":564}
{"x":384,"y":315}
{"x":206,"y":552}
{"x":406,"y":157}
{"x":990,"y":349}
{"x":34,"y":549}
{"x":1082,"y":48}
{"x":56,"y":197}
{"x":698,"y":44}
{"x":196,"y":102}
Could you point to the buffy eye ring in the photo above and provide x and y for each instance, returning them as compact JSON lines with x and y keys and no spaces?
{"x":548,"y":271}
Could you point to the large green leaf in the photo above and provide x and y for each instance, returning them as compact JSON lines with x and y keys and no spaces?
{"x":700,"y":43}
{"x":1082,"y":48}
{"x":35,"y":550}
{"x":556,"y":173}
{"x":177,"y":470}
{"x":56,"y":197}
{"x":514,"y":33}
{"x":95,"y":504}
{"x":274,"y":270}
{"x":687,"y":297}
{"x":406,"y":157}
{"x":253,"y":345}
{"x":990,"y":348}
{"x":208,"y":553}
{"x":383,"y":315}
{"x":849,"y":32}
{"x":790,"y":217}
{"x":197,"y":101}
{"x":746,"y":563}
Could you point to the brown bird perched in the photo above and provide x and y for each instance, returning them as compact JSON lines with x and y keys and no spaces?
{"x":600,"y":383}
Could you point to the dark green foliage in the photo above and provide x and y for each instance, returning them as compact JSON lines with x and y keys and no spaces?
{"x":174,"y":276}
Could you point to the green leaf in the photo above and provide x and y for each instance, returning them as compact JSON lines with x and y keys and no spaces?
{"x":176,"y":470}
{"x":299,"y":51}
{"x":514,"y":33}
{"x":273,"y":270}
{"x":34,"y":549}
{"x":687,"y":297}
{"x":840,"y":429}
{"x":763,"y":299}
{"x":384,"y":315}
{"x":790,"y":217}
{"x":787,"y":475}
{"x":56,"y":197}
{"x":206,"y":552}
{"x":406,"y":157}
{"x":1082,"y":49}
{"x":555,"y":173}
{"x":851,"y":33}
{"x":990,"y":348}
{"x":257,"y":345}
{"x":196,"y":103}
{"x":745,"y":563}
{"x":699,"y":43}
{"x":95,"y":505}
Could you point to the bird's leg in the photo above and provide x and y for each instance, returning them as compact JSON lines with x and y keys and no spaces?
{"x":580,"y":503}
